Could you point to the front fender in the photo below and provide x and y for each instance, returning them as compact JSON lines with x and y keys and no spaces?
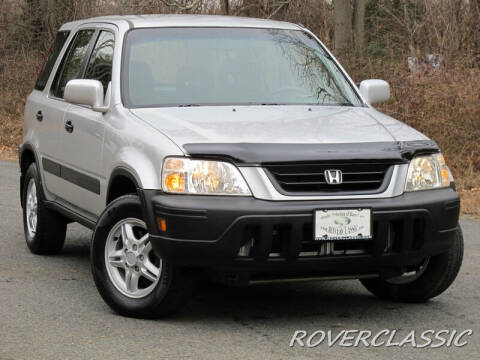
{"x":134,"y":146}
{"x":139,"y":165}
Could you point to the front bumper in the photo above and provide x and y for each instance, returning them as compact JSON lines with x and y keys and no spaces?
{"x":209,"y":231}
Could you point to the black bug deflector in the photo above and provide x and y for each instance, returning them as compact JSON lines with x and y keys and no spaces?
{"x":266,"y":153}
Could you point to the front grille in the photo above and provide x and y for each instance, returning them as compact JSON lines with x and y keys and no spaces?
{"x":309,"y":178}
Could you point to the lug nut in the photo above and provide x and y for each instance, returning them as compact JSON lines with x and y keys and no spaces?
{"x":134,"y":247}
{"x":141,"y":257}
{"x":136,"y":268}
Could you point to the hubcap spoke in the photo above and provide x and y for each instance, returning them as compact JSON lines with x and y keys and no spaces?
{"x":151,"y":268}
{"x":116,"y":258}
{"x":143,"y":240}
{"x":127,"y":235}
{"x":131,"y":280}
{"x":117,"y":263}
{"x":147,"y":248}
{"x":116,"y":254}
{"x":147,"y":275}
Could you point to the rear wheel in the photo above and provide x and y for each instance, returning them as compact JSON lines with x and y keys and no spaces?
{"x":44,"y":229}
{"x":432,"y":277}
{"x":130,"y":277}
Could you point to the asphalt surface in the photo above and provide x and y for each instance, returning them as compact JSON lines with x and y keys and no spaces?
{"x":50,"y":309}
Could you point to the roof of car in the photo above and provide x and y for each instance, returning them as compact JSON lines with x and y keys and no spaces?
{"x":147,"y":21}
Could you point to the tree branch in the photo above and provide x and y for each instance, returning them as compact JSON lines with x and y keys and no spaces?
{"x":182,"y":7}
{"x":285,"y":3}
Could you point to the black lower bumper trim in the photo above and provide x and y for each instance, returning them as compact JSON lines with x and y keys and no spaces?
{"x":250,"y":235}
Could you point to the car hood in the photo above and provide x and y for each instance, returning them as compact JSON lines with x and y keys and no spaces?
{"x":262,"y":134}
{"x":276,"y":124}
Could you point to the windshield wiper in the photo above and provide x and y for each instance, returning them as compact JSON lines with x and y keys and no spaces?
{"x":188,"y":105}
{"x":343,"y":104}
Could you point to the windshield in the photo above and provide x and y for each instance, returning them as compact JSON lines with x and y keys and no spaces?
{"x":229,"y":66}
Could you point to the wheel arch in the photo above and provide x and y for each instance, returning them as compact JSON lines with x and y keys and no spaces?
{"x":26,"y":157}
{"x":122,"y":182}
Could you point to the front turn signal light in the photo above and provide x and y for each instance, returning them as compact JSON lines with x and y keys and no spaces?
{"x":175,"y":182}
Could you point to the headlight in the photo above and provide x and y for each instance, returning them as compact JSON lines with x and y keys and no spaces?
{"x":202,"y":177}
{"x":427,"y":172}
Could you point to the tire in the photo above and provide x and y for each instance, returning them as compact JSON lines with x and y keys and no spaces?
{"x":130,"y":277}
{"x":440,"y":272}
{"x":44,"y":229}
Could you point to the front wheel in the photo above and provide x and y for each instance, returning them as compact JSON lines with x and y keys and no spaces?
{"x":432,"y":277}
{"x":130,"y":277}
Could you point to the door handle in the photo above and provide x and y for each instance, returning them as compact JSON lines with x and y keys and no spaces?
{"x":39,"y":115}
{"x":69,"y":126}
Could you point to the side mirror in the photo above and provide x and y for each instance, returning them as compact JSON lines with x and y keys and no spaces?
{"x":86,"y":92}
{"x":375,"y":91}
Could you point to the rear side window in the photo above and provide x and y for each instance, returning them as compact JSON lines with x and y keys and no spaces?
{"x":73,"y":64}
{"x":50,"y":59}
{"x":100,"y":64}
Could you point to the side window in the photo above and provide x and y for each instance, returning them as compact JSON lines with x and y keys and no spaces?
{"x":100,"y":64}
{"x":50,"y":59}
{"x":74,"y":62}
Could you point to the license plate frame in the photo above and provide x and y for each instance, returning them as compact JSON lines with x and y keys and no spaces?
{"x":342,"y":224}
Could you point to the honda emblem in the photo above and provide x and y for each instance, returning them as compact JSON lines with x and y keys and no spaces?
{"x":333,"y":177}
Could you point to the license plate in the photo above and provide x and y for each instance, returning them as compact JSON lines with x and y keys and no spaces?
{"x":343,"y":224}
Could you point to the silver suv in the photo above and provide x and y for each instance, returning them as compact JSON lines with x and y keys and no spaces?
{"x":230,"y":148}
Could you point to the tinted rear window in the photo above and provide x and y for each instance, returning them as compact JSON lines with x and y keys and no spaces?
{"x":51,"y":58}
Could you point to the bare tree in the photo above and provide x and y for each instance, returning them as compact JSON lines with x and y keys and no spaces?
{"x":349,"y":24}
{"x":343,"y":25}
{"x":226,"y":7}
{"x":251,"y":8}
{"x":475,"y":25}
{"x":359,"y":24}
{"x":34,"y":15}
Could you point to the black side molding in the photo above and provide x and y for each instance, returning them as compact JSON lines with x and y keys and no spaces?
{"x":263,"y":153}
{"x":84,"y":181}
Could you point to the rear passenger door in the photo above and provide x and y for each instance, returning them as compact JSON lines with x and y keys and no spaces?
{"x":42,"y":123}
{"x":81,"y":144}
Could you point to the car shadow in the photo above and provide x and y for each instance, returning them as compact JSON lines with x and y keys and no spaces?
{"x":334,"y":302}
{"x":80,"y":251}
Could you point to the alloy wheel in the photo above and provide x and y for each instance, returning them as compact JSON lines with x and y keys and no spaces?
{"x":132,"y":265}
{"x":31,"y":208}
